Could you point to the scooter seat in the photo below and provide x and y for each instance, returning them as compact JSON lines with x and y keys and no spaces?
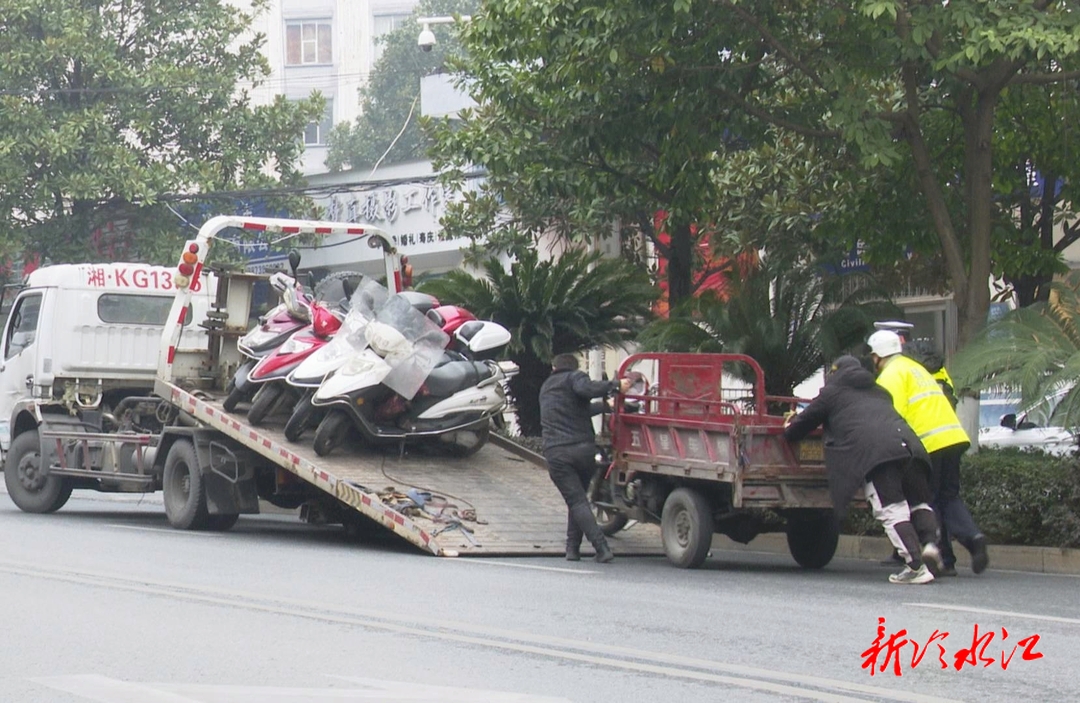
{"x":451,"y":377}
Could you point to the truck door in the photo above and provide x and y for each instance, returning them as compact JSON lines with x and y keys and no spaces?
{"x":20,"y":357}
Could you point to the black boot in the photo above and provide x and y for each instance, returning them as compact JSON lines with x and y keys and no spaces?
{"x":583,"y":517}
{"x":573,"y":552}
{"x":603,"y":552}
{"x":573,"y":539}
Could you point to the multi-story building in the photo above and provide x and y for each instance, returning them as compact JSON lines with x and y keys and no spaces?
{"x":324,"y":45}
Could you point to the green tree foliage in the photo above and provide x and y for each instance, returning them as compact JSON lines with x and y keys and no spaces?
{"x":109,"y":109}
{"x":1034,"y":351}
{"x":600,"y":108}
{"x":581,"y":122}
{"x":567,"y":305}
{"x":389,"y":122}
{"x":784,"y":313}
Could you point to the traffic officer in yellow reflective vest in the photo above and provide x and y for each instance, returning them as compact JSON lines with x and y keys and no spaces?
{"x":919,"y":400}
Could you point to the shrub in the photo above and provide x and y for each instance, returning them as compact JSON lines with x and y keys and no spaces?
{"x":1023,"y":497}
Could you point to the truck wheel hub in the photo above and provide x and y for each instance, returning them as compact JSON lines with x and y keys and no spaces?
{"x":682,"y":528}
{"x":30,"y":475}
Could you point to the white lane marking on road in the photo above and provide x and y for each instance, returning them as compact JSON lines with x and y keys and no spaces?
{"x":488,"y":562}
{"x":167,"y":531}
{"x":105,"y":690}
{"x":1003,"y":613}
{"x":381,"y":620}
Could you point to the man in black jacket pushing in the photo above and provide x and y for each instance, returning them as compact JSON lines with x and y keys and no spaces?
{"x":566,"y":410}
{"x":866,"y":441}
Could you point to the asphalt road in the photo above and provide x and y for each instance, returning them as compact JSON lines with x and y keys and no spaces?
{"x":104,"y":602}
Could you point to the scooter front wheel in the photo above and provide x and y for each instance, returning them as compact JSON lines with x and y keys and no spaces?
{"x":236,"y":396}
{"x":301,"y":417}
{"x":264,"y":402}
{"x":331,"y":432}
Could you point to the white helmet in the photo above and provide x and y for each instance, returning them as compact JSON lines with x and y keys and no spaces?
{"x":885,"y":343}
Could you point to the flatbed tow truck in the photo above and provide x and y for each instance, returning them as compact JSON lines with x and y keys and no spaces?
{"x":168,"y":431}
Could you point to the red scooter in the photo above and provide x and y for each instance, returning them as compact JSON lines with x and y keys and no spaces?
{"x":270,"y":373}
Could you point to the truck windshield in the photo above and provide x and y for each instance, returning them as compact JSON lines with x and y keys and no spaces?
{"x":134,"y":309}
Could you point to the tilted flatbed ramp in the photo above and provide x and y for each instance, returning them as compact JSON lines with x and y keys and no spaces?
{"x":493,"y":503}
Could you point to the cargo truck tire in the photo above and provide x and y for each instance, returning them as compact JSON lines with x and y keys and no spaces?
{"x":221,"y":523}
{"x":686,"y":528}
{"x":812,"y":539}
{"x":265,"y":401}
{"x":182,"y":484}
{"x":602,"y":498}
{"x":30,"y":489}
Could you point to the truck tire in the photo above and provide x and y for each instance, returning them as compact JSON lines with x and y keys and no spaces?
{"x":221,"y":523}
{"x":30,"y":489}
{"x":264,"y":402}
{"x":182,"y":484}
{"x":302,"y":414}
{"x":602,"y":490}
{"x":686,"y":528}
{"x":812,"y":539}
{"x":331,"y":432}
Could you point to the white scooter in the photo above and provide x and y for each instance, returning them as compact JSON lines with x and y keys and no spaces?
{"x":405,"y":387}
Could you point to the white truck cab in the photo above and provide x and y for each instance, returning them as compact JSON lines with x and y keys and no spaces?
{"x":77,"y":333}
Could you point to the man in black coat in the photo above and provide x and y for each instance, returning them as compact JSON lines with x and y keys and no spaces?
{"x":566,"y":410}
{"x":867,"y":442}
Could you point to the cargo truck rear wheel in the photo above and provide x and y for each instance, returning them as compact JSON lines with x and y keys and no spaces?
{"x":812,"y":538}
{"x":31,"y":488}
{"x":686,"y":528}
{"x":221,"y":523}
{"x":185,"y":498}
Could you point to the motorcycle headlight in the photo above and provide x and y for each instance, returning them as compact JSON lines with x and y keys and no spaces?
{"x":257,"y":337}
{"x":295,"y":346}
{"x":357,"y":366}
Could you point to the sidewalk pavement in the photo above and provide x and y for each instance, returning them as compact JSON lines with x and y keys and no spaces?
{"x":1046,"y":560}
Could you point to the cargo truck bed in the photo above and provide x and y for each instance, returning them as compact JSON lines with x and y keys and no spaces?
{"x":494,"y":503}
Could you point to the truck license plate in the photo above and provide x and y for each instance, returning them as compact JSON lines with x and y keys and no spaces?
{"x":811,"y":450}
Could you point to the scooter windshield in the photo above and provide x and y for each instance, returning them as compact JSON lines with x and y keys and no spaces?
{"x":369,"y":296}
{"x":410,"y":363}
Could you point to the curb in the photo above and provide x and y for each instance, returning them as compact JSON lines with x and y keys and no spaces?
{"x":1043,"y":560}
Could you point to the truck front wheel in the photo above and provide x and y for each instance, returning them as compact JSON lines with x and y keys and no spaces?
{"x":686,"y":528}
{"x":812,"y":539}
{"x":185,"y":499}
{"x":30,"y":487}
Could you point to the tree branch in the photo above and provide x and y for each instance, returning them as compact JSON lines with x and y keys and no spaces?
{"x":1045,"y":78}
{"x":772,"y":119}
{"x":775,"y":43}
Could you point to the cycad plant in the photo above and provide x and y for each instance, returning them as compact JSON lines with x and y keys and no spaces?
{"x":565,"y":305}
{"x":1033,"y":351}
{"x":790,"y":316}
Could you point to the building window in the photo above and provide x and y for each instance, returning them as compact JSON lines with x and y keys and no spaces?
{"x":316,"y":132}
{"x":380,"y":27}
{"x":308,"y":43}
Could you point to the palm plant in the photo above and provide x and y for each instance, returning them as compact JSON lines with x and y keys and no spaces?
{"x":787,"y":315}
{"x":1034,"y":351}
{"x":566,"y":305}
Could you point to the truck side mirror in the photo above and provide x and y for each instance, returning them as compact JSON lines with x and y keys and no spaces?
{"x":1009,"y":420}
{"x":294,"y":261}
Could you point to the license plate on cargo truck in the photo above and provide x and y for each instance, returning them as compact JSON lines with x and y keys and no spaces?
{"x":810,"y":450}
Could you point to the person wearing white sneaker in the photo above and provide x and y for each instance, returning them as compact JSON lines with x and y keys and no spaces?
{"x":911,"y":576}
{"x":867,"y":443}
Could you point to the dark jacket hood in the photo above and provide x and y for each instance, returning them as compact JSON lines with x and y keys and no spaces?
{"x":849,"y":371}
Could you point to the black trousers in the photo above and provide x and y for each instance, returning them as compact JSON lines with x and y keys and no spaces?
{"x":956,"y":520}
{"x":571,"y":467}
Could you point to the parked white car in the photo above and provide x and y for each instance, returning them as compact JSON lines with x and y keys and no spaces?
{"x":999,"y":428}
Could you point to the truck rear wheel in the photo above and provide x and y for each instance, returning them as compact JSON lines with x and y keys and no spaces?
{"x":602,"y":498}
{"x":686,"y":528}
{"x":31,"y":488}
{"x":812,"y":539}
{"x":221,"y":523}
{"x":185,"y":498}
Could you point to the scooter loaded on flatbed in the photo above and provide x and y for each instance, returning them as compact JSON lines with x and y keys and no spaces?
{"x":114,"y":378}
